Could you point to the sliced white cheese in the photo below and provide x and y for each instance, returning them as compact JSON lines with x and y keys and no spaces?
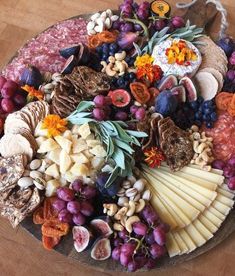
{"x":186,"y":208}
{"x":208,"y":224}
{"x":211,"y":217}
{"x":219,"y":215}
{"x":220,"y":172}
{"x":223,"y":209}
{"x":225,"y":200}
{"x":196,"y":236}
{"x":182,"y":245}
{"x":172,"y":246}
{"x":187,"y":239}
{"x":202,"y":229}
{"x":225,"y":187}
{"x":224,"y":192}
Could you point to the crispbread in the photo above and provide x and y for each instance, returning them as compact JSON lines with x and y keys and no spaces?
{"x":216,"y":74}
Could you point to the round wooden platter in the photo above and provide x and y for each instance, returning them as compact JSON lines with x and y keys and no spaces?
{"x":203,"y":17}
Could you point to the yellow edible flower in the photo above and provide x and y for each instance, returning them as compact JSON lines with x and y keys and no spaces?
{"x":32,"y":92}
{"x":143,"y":60}
{"x":54,"y":125}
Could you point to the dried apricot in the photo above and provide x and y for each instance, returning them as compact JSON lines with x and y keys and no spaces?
{"x":55,"y":228}
{"x":50,"y":242}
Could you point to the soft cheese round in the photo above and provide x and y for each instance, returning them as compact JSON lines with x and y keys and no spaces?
{"x":160,"y":59}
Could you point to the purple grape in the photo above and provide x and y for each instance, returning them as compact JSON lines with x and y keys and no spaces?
{"x":231,"y":183}
{"x":88,"y":192}
{"x":129,"y":2}
{"x":133,"y":109}
{"x":132,"y":266}
{"x":124,"y":259}
{"x":128,"y":248}
{"x":227,"y":44}
{"x":121,"y":116}
{"x":77,"y":185}
{"x":73,"y":207}
{"x":160,"y":24}
{"x":140,"y":228}
{"x":218,"y":164}
{"x":108,"y":100}
{"x":59,"y":204}
{"x":7,"y":105}
{"x":9,"y":88}
{"x":149,"y":214}
{"x":231,"y":161}
{"x":123,"y":234}
{"x":178,"y":22}
{"x":140,"y":114}
{"x":116,"y":253}
{"x":99,"y":101}
{"x":142,"y":13}
{"x":116,"y":25}
{"x":232,"y":59}
{"x":127,"y":27}
{"x":141,"y":260}
{"x":2,"y":82}
{"x":65,"y":194}
{"x":151,"y":263}
{"x":229,"y":171}
{"x":159,"y":236}
{"x":157,"y":251}
{"x":165,"y":227}
{"x":126,"y":10}
{"x":149,"y":238}
{"x":230,"y":75}
{"x":138,"y":28}
{"x":99,"y":114}
{"x":117,"y":242}
{"x":86,"y":208}
{"x":79,"y":219}
{"x":65,"y":216}
{"x":19,"y":99}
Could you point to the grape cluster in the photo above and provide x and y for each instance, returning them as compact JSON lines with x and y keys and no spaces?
{"x":196,"y":112}
{"x":138,"y":112}
{"x":102,"y":108}
{"x":75,"y":205}
{"x":123,"y":81}
{"x":11,"y":97}
{"x":145,"y":245}
{"x":229,"y":82}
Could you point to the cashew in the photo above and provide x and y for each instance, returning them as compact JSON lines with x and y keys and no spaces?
{"x":126,"y":65}
{"x":209,"y":139}
{"x":121,"y":67}
{"x":207,"y":168}
{"x":120,"y":56}
{"x":137,"y":197}
{"x":203,"y":140}
{"x":195,"y":146}
{"x":109,"y":71}
{"x":199,"y":161}
{"x":112,"y":59}
{"x":195,"y":155}
{"x":122,"y":212}
{"x":104,"y":64}
{"x":194,"y":128}
{"x":201,"y":147}
{"x":203,"y":135}
{"x":131,"y":210}
{"x":130,"y":221}
{"x":131,"y":70}
{"x":192,"y":161}
{"x":204,"y":156}
{"x":111,"y":209}
{"x":118,"y":227}
{"x":123,"y":221}
{"x":140,"y":206}
{"x":196,"y":136}
{"x":209,"y":144}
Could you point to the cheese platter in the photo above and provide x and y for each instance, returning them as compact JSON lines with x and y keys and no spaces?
{"x":117,"y":153}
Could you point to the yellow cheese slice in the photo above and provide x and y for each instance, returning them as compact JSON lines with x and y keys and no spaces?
{"x":190,"y":212}
{"x":187,"y":239}
{"x":167,"y":197}
{"x":222,"y":208}
{"x":219,"y":215}
{"x":186,"y":189}
{"x":172,"y":246}
{"x":182,"y":245}
{"x":225,"y":200}
{"x":195,"y":235}
{"x":194,"y":179}
{"x":225,"y":187}
{"x":224,"y":192}
{"x":211,"y":217}
{"x":202,"y":229}
{"x":208,"y":224}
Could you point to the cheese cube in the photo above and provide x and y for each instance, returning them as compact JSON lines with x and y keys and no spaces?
{"x":53,"y":171}
{"x":97,"y":162}
{"x":51,"y":187}
{"x":79,"y":170}
{"x":54,"y":156}
{"x":40,"y":140}
{"x":67,"y":134}
{"x":79,"y":145}
{"x":64,"y":143}
{"x":68,"y":176}
{"x":79,"y":158}
{"x":93,"y":143}
{"x":48,"y":145}
{"x":84,"y":130}
{"x":75,"y":129}
{"x":98,"y":151}
{"x":39,"y":131}
{"x":65,"y":161}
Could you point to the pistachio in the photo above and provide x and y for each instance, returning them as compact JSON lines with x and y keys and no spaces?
{"x":35,"y":174}
{"x":140,"y":184}
{"x":146,"y":195}
{"x":25,"y":182}
{"x":121,"y":192}
{"x":131,"y":192}
{"x":38,"y":183}
{"x":122,"y":200}
{"x":132,"y":179}
{"x":126,"y":184}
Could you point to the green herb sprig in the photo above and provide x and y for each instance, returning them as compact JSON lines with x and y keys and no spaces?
{"x":118,"y":139}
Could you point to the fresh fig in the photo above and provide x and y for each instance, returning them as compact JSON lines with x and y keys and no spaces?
{"x":191,"y":92}
{"x":180,"y":92}
{"x":166,"y":103}
{"x":83,"y":55}
{"x":31,"y":76}
{"x":168,"y":82}
{"x":69,"y":65}
{"x":82,"y":238}
{"x":101,"y":226}
{"x":101,"y":249}
{"x":69,"y":51}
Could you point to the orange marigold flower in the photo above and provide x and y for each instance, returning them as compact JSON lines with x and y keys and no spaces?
{"x":149,"y":72}
{"x":154,"y":157}
{"x":54,"y":125}
{"x":32,"y":92}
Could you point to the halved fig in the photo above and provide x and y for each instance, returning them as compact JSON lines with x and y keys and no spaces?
{"x":69,"y":51}
{"x":83,"y":55}
{"x":191,"y":92}
{"x":168,"y":82}
{"x":69,"y":65}
{"x":82,"y":238}
{"x":101,"y":227}
{"x":180,"y":92}
{"x":101,"y":249}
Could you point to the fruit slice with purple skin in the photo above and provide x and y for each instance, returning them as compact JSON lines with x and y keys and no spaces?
{"x":168,"y":82}
{"x":191,"y":92}
{"x":82,"y":238}
{"x":120,"y":97}
{"x":70,"y":50}
{"x":101,"y":226}
{"x":180,"y":92}
{"x":101,"y":249}
{"x":69,"y":65}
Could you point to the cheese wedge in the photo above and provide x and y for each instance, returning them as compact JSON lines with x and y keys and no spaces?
{"x":180,"y":242}
{"x":172,"y":246}
{"x":64,"y":143}
{"x":65,"y":161}
{"x":54,"y":156}
{"x":190,"y":212}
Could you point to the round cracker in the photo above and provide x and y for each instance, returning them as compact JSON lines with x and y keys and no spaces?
{"x":216,"y":74}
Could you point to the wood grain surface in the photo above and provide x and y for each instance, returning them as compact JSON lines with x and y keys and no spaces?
{"x":20,"y":253}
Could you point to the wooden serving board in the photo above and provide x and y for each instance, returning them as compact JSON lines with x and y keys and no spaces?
{"x":203,"y":16}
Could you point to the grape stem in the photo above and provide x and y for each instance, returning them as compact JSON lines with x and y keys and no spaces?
{"x":137,"y":21}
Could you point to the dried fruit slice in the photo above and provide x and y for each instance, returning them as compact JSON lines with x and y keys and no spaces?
{"x":49,"y":242}
{"x":140,"y":92}
{"x":120,"y":97}
{"x":191,"y":92}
